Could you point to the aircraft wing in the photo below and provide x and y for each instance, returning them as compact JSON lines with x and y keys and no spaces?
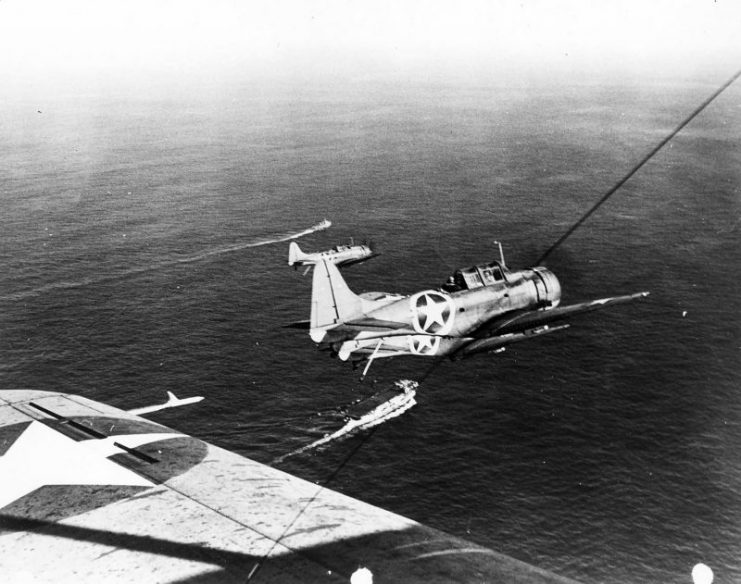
{"x":358,"y":324}
{"x":530,"y":319}
{"x":92,"y":493}
{"x":352,"y":262}
{"x":375,"y":323}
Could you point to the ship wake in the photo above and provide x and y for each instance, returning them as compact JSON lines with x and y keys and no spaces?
{"x":102,"y":279}
{"x":368,"y":413}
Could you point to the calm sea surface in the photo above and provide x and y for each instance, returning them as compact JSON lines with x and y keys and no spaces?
{"x":610,"y":452}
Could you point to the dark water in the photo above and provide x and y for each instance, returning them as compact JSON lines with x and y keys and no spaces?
{"x":607,"y":453}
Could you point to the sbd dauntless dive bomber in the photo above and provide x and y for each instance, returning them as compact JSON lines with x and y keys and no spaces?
{"x":479,"y":309}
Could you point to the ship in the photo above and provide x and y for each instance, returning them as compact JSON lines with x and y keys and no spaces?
{"x":381,"y":406}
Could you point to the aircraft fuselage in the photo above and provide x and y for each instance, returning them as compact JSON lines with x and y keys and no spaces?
{"x":440,"y":322}
{"x":479,"y":309}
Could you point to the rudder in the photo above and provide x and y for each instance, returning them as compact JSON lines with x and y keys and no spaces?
{"x":294,"y":253}
{"x":332,"y":301}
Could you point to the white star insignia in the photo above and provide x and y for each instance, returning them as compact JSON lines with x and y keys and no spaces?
{"x":434,"y":312}
{"x":42,"y":456}
{"x":424,"y":344}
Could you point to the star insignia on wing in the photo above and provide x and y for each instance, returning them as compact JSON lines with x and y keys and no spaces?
{"x":42,"y":456}
{"x":424,"y":344}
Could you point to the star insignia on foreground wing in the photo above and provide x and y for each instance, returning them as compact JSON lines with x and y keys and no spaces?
{"x":42,"y":456}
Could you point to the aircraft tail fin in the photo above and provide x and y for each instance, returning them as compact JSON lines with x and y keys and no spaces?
{"x":295,"y":255}
{"x":332,"y":301}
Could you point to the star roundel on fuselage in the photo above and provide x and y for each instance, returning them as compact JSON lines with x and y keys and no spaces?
{"x":433,"y":312}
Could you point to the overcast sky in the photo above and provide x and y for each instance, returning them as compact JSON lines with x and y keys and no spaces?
{"x":47,"y":39}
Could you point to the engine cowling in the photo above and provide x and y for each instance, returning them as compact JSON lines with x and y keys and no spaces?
{"x":547,"y":287}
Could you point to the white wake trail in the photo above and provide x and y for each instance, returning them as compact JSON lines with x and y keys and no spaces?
{"x":67,"y":284}
{"x":389,"y":409}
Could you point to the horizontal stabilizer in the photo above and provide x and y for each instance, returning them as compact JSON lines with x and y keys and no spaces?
{"x":299,"y":324}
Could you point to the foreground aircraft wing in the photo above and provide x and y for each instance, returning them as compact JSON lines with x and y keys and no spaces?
{"x":531,"y":319}
{"x":92,"y":493}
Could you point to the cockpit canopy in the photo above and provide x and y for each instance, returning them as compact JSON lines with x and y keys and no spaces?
{"x":341,"y":248}
{"x":476,"y":277}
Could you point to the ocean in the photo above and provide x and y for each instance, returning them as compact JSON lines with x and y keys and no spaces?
{"x":136,"y":246}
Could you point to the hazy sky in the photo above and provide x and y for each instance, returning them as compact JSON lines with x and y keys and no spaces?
{"x":133,"y":39}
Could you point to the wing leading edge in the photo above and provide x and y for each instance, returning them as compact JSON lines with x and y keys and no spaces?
{"x":510,"y":328}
